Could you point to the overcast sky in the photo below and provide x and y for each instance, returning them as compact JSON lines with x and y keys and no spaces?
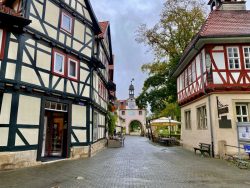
{"x":125,"y":16}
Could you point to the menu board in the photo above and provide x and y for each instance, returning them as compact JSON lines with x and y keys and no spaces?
{"x":244,"y":133}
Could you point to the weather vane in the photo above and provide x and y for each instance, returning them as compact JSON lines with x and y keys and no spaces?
{"x":132,"y":80}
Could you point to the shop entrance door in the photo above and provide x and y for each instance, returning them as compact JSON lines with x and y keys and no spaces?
{"x":55,"y":132}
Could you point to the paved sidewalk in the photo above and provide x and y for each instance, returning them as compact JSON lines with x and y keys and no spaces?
{"x":138,"y":164}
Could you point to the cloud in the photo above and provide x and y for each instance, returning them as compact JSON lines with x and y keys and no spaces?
{"x":125,"y":16}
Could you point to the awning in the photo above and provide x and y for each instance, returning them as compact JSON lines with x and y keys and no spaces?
{"x":164,"y":121}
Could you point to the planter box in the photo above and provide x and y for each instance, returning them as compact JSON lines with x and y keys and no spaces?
{"x":115,"y":143}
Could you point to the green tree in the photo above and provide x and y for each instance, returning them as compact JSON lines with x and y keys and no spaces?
{"x":112,"y":118}
{"x":180,"y":20}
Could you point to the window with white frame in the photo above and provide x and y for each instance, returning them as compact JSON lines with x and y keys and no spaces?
{"x":66,"y":22}
{"x":65,"y":66}
{"x":186,"y":78}
{"x":202,"y":117}
{"x":247,"y":57}
{"x":233,"y":57}
{"x":73,"y":68}
{"x":188,"y":119}
{"x":190,"y":74}
{"x":193,"y":72}
{"x":242,"y":113}
{"x":59,"y":63}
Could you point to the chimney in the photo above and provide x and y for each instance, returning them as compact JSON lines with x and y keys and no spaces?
{"x":227,"y":4}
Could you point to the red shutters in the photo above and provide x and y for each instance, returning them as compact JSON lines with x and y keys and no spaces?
{"x":2,"y":43}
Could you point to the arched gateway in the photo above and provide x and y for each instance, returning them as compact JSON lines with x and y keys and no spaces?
{"x":135,"y":118}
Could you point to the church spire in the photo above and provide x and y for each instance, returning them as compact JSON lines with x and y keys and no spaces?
{"x":132,"y":89}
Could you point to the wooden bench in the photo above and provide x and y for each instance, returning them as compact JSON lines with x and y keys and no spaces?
{"x":203,"y":148}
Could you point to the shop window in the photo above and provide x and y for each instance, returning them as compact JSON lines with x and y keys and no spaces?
{"x":188,"y":119}
{"x":202,"y":117}
{"x":2,"y":43}
{"x":247,"y":57}
{"x":58,"y":63}
{"x":66,"y":22}
{"x":95,"y":126}
{"x":233,"y":57}
{"x":73,"y":67}
{"x":242,"y":113}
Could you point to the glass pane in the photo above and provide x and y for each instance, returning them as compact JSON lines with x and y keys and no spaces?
{"x":244,"y":110}
{"x":59,"y":63}
{"x":239,"y":119}
{"x":246,"y":50}
{"x":246,"y":54}
{"x":72,"y":68}
{"x":66,"y":23}
{"x":245,"y":119}
{"x":230,"y":54}
{"x":53,"y":105}
{"x":238,"y":110}
{"x":47,"y":104}
{"x":59,"y":106}
{"x":237,"y":65}
{"x":229,"y":50}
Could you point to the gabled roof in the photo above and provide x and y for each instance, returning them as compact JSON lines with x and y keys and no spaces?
{"x":104,"y":26}
{"x":93,"y":17}
{"x":220,"y":24}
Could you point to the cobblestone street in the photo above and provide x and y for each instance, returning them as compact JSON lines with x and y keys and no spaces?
{"x":138,"y":164}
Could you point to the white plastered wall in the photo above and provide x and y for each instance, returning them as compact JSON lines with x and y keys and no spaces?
{"x":227,"y":134}
{"x":5,"y":118}
{"x":192,"y":138}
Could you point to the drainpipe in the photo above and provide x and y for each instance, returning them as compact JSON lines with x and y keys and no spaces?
{"x":209,"y":104}
{"x":211,"y":126}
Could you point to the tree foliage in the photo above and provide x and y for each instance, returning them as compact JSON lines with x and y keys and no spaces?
{"x":180,"y":20}
{"x":112,"y":118}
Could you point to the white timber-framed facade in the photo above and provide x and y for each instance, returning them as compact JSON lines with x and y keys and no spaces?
{"x":53,"y":61}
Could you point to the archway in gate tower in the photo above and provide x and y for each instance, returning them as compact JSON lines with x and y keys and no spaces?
{"x":136,"y":128}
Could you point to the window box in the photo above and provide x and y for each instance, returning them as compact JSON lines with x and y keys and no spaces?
{"x":66,"y":22}
{"x":2,"y":43}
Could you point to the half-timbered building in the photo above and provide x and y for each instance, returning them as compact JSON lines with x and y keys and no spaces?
{"x":213,"y":80}
{"x":54,"y":64}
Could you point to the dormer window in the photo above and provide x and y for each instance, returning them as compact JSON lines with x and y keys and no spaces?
{"x":233,"y":58}
{"x":66,"y":22}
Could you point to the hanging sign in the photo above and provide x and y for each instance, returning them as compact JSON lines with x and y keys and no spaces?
{"x":222,"y":109}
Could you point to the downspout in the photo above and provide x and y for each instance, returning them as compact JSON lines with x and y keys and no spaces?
{"x":211,"y":127}
{"x":209,"y":105}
